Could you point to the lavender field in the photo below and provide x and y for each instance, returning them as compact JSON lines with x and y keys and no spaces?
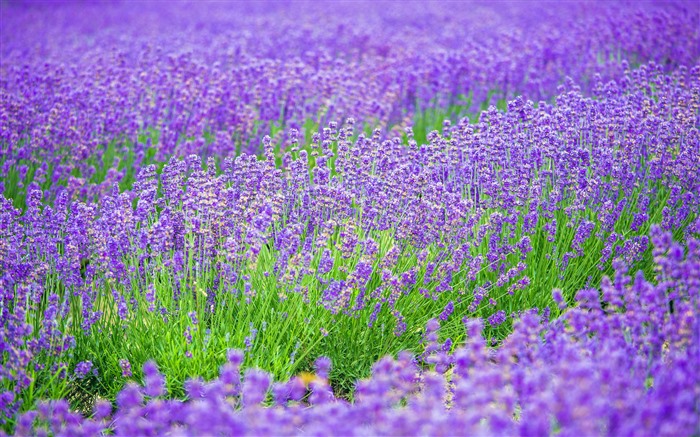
{"x":350,"y":218}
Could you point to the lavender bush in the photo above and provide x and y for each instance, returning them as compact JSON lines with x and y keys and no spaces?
{"x":274,"y":190}
{"x":626,"y":364}
{"x":90,"y":93}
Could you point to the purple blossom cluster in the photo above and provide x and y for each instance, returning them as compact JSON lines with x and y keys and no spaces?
{"x":212,"y":80}
{"x":623,"y":361}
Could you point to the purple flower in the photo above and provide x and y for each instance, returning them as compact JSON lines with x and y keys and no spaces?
{"x":322,"y":366}
{"x":154,"y":380}
{"x":126,"y":367}
{"x":103,"y":409}
{"x":255,"y":386}
{"x":82,"y":369}
{"x":250,"y":339}
{"x":447,"y":311}
{"x":497,"y":318}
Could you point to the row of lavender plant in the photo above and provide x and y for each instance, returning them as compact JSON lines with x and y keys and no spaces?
{"x":623,"y":361}
{"x":346,"y":251}
{"x":90,"y":93}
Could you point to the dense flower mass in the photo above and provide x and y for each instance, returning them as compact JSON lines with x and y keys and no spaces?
{"x":622,"y":367}
{"x":482,"y":219}
{"x":215,"y":80}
